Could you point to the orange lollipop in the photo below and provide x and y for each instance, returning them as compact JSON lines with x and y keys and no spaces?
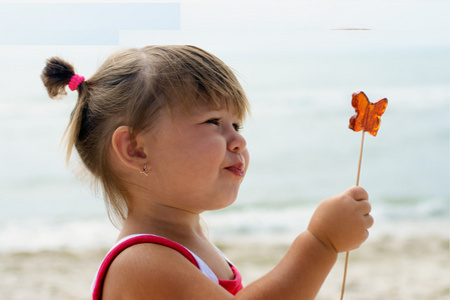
{"x":367,"y":117}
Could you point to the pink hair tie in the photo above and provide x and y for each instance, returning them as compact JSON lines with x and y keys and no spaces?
{"x":75,"y":82}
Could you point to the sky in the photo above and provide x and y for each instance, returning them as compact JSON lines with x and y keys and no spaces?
{"x":87,"y":32}
{"x":110,"y":22}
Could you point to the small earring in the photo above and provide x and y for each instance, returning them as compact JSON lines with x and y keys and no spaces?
{"x":144,"y":170}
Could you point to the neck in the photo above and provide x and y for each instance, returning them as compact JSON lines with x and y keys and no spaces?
{"x":172,"y":223}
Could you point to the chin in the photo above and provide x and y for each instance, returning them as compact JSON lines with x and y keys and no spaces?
{"x":226,"y":203}
{"x":220,"y":204}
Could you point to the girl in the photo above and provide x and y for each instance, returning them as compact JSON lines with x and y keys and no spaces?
{"x":158,"y":127}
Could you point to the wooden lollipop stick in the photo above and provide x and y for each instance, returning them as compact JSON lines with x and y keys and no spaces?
{"x":357,"y":183}
{"x":360,"y":158}
{"x":345,"y":275}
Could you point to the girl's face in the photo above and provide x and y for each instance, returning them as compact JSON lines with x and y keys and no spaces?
{"x":197,"y":160}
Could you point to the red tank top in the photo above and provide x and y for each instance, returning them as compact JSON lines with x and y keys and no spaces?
{"x":232,"y":286}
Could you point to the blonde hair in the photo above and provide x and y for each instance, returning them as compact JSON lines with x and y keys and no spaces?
{"x":131,"y":88}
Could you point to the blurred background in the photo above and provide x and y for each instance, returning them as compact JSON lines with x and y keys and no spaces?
{"x":298,"y":61}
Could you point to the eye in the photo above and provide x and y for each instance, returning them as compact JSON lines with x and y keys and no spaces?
{"x":237,"y":127}
{"x":214,"y":121}
{"x":218,"y":121}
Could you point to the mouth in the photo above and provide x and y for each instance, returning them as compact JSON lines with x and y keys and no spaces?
{"x":237,"y":169}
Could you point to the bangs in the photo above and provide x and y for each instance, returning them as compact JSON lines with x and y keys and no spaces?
{"x":233,"y":102}
{"x":193,"y":78}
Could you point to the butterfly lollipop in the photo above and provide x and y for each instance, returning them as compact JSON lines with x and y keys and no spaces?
{"x":367,"y":119}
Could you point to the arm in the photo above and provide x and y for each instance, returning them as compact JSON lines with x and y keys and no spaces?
{"x":339,"y":224}
{"x":299,"y":275}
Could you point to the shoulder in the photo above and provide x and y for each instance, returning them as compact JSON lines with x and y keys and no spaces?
{"x":151,"y":270}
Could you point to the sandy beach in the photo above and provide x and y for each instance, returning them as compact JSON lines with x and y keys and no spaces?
{"x":385,"y":267}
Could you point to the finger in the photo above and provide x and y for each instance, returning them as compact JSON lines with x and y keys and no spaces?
{"x":366,"y":235}
{"x":368,"y":220}
{"x":364,"y":207}
{"x":358,"y":193}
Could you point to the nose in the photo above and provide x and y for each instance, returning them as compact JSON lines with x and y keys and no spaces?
{"x":236,"y":142}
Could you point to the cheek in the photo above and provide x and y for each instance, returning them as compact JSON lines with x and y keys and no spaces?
{"x":200,"y":155}
{"x":209,"y":155}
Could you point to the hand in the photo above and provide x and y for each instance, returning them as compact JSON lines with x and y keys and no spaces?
{"x":341,"y":222}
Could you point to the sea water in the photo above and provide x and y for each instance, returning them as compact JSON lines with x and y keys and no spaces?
{"x":300,"y":146}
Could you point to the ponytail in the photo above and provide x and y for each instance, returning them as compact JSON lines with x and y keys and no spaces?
{"x":56,"y":75}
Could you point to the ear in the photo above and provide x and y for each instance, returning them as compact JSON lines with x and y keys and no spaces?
{"x":127,"y":150}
